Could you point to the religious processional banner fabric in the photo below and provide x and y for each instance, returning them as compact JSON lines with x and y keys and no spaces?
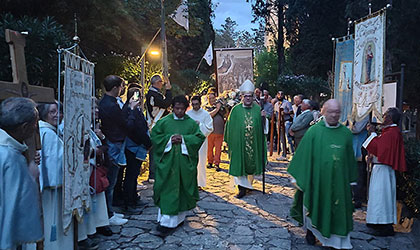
{"x":343,"y":75}
{"x":77,"y":121}
{"x":234,"y":66}
{"x":368,"y":77}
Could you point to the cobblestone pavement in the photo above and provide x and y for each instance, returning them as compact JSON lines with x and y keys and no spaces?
{"x":257,"y":221}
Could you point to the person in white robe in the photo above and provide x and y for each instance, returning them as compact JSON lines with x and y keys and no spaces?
{"x":204,"y":120}
{"x":51,"y":180}
{"x":387,"y":155}
{"x":20,"y":213}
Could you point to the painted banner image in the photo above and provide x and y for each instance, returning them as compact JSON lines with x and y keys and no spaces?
{"x":77,"y":121}
{"x":343,"y":75}
{"x":234,"y":66}
{"x":368,"y":74}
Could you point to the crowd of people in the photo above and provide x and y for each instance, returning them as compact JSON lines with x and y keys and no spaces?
{"x":182,"y":138}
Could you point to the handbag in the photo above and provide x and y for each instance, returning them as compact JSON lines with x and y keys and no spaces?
{"x":98,"y":179}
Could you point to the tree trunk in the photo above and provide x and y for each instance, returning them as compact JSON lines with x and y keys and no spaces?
{"x":280,"y":37}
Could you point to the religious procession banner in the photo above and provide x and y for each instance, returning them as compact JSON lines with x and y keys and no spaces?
{"x":78,"y":83}
{"x":343,"y":75}
{"x":234,"y":66}
{"x":368,"y":77}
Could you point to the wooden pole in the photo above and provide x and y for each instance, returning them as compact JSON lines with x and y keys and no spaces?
{"x":272,"y":134}
{"x":165,"y":70}
{"x":282,"y":128}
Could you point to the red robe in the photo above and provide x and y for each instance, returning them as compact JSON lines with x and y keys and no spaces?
{"x":389,"y":148}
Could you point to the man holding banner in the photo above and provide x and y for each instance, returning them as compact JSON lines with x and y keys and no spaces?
{"x":156,"y":108}
{"x":388,"y":156}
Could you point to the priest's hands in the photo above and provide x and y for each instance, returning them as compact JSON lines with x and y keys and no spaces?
{"x":176,"y":139}
{"x":167,"y":83}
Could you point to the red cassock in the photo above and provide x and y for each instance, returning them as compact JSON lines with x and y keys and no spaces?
{"x":389,"y":148}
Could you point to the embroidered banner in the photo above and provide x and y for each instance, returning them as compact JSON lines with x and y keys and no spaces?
{"x":78,"y":83}
{"x":234,"y":66}
{"x":368,"y":77}
{"x":343,"y":75}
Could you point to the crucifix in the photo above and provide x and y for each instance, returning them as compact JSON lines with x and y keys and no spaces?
{"x":20,"y":88}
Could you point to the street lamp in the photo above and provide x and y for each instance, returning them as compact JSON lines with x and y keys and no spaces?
{"x":154,"y":52}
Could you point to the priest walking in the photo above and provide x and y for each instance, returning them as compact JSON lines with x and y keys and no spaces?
{"x":245,"y":139}
{"x":176,"y":140}
{"x":387,"y":155}
{"x":205,"y":122}
{"x":323,"y":169}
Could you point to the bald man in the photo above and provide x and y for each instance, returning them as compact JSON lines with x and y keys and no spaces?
{"x":323,"y":169}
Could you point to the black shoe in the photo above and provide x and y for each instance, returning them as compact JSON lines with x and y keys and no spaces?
{"x":242,"y":192}
{"x":164,"y":231}
{"x":106,"y":231}
{"x":218,"y":169}
{"x":209,"y":165}
{"x":310,"y":238}
{"x":87,"y":244}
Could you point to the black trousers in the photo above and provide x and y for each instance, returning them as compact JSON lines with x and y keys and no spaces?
{"x":151,"y":165}
{"x":130,"y":181}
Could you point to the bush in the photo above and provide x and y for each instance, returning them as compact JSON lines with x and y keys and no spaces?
{"x":311,"y":87}
{"x":41,"y":48}
{"x":408,"y":183}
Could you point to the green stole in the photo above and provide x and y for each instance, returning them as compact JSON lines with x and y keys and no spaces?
{"x":323,"y":167}
{"x":175,"y":188}
{"x":246,"y":141}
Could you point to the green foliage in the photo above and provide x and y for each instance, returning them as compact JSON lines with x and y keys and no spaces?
{"x":226,"y":37}
{"x":408,"y":183}
{"x":311,"y":87}
{"x":45,"y":35}
{"x":114,"y":27}
{"x":191,"y":82}
{"x":266,"y":70}
{"x":229,"y":37}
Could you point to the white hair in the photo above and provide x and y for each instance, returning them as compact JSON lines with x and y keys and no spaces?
{"x":15,"y":111}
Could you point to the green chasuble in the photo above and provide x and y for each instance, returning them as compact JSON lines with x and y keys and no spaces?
{"x":324,"y":166}
{"x":246,"y":141}
{"x":175,"y":189}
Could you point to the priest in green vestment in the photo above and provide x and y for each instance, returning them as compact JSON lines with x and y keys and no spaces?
{"x":176,"y":140}
{"x":324,"y":168}
{"x":245,"y":139}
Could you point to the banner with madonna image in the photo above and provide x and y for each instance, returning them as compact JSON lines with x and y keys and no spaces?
{"x":368,"y":77}
{"x":343,"y":75}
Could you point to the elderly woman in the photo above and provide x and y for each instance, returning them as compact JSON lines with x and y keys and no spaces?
{"x":51,"y":179}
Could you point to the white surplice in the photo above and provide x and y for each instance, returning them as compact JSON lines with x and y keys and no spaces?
{"x":206,"y":127}
{"x":382,"y":202}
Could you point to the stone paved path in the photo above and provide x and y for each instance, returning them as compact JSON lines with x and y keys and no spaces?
{"x":220,"y":221}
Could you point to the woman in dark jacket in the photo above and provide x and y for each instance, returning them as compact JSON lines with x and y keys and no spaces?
{"x":137,"y":144}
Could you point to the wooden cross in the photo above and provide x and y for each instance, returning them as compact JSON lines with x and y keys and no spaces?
{"x":20,"y":87}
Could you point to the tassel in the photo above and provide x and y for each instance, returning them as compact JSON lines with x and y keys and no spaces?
{"x":53,"y":236}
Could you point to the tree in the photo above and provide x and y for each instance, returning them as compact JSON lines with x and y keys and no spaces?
{"x":227,"y":36}
{"x":44,"y":37}
{"x":272,"y":13}
{"x":114,"y":27}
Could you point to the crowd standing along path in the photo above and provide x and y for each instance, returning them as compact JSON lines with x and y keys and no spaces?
{"x":257,"y":221}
